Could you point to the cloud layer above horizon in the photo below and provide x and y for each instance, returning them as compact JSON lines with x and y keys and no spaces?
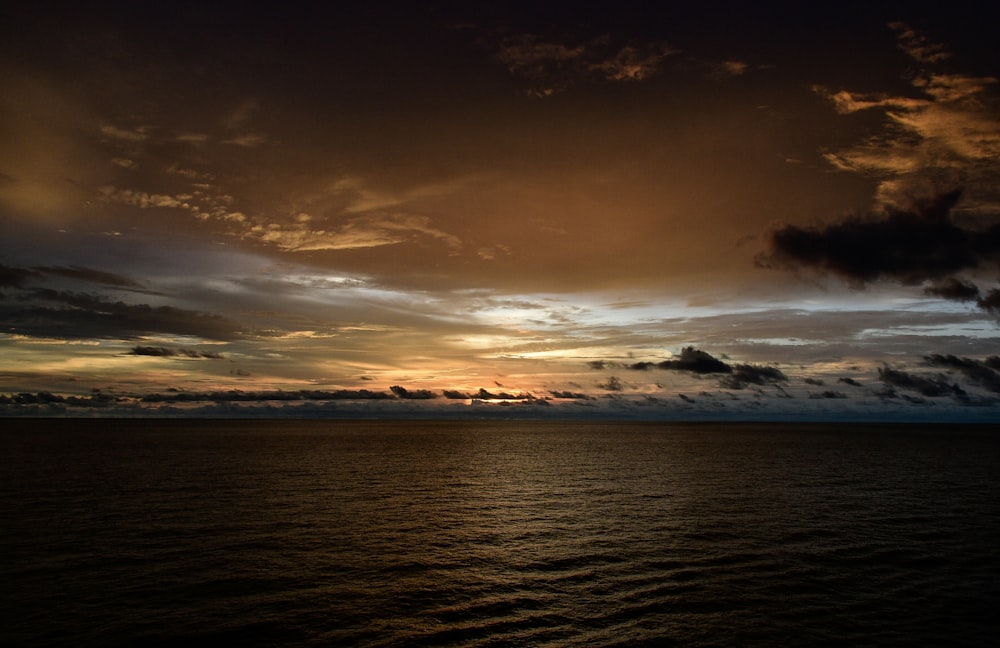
{"x":611,"y":211}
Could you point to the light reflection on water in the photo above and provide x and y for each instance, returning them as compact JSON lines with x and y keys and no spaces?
{"x":388,"y":533}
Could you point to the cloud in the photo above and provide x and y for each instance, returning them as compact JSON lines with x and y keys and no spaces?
{"x":551,"y":66}
{"x":991,"y":301}
{"x":48,"y":398}
{"x":633,"y":63}
{"x":164,"y":352}
{"x":744,"y":375}
{"x":930,"y":386}
{"x":612,"y":384}
{"x":192,"y":138}
{"x":89,"y":274}
{"x":917,"y":45}
{"x":738,"y":376}
{"x":247,"y":140}
{"x":982,"y":372}
{"x":487,"y":395}
{"x":690,"y":359}
{"x":13,"y":277}
{"x":570,"y":395}
{"x":238,"y":395}
{"x":83,"y":315}
{"x":733,"y":68}
{"x":948,"y":134}
{"x":412,"y":394}
{"x":905,"y":246}
{"x":954,"y":289}
{"x":140,"y":199}
{"x":138,"y":135}
{"x":361,"y":232}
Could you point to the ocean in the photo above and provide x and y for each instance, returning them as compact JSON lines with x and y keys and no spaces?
{"x":403,"y":533}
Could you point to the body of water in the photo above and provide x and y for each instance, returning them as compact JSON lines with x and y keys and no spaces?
{"x":497,"y":533}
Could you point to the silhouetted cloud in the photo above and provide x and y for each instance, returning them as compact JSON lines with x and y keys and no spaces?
{"x":453,"y":394}
{"x":486,"y":395}
{"x":850,"y":381}
{"x":83,"y":315}
{"x":173,"y":353}
{"x":905,"y":246}
{"x":829,"y":394}
{"x":978,"y":371}
{"x":933,"y":387}
{"x":690,"y":359}
{"x":612,"y":384}
{"x":700,"y":362}
{"x":744,"y":375}
{"x":569,"y":395}
{"x":237,"y":395}
{"x":48,"y":398}
{"x":414,"y":394}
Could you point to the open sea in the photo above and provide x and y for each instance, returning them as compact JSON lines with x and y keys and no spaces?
{"x":402,"y":533}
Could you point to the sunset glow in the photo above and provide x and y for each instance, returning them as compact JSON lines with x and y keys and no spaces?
{"x":398,"y":209}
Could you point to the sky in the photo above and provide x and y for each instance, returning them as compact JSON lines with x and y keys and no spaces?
{"x":500,"y":209}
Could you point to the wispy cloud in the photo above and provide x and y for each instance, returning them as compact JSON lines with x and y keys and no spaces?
{"x":141,"y":199}
{"x":247,"y":140}
{"x":917,"y":45}
{"x":551,"y":66}
{"x":138,"y":134}
{"x":372,"y":231}
{"x":947,"y":134}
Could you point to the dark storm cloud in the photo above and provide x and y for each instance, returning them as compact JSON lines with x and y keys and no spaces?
{"x":905,"y":246}
{"x":82,"y":315}
{"x":983,"y":372}
{"x":165,"y":352}
{"x":828,"y":394}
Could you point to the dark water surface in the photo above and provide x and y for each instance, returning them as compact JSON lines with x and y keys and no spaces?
{"x":483,"y":533}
